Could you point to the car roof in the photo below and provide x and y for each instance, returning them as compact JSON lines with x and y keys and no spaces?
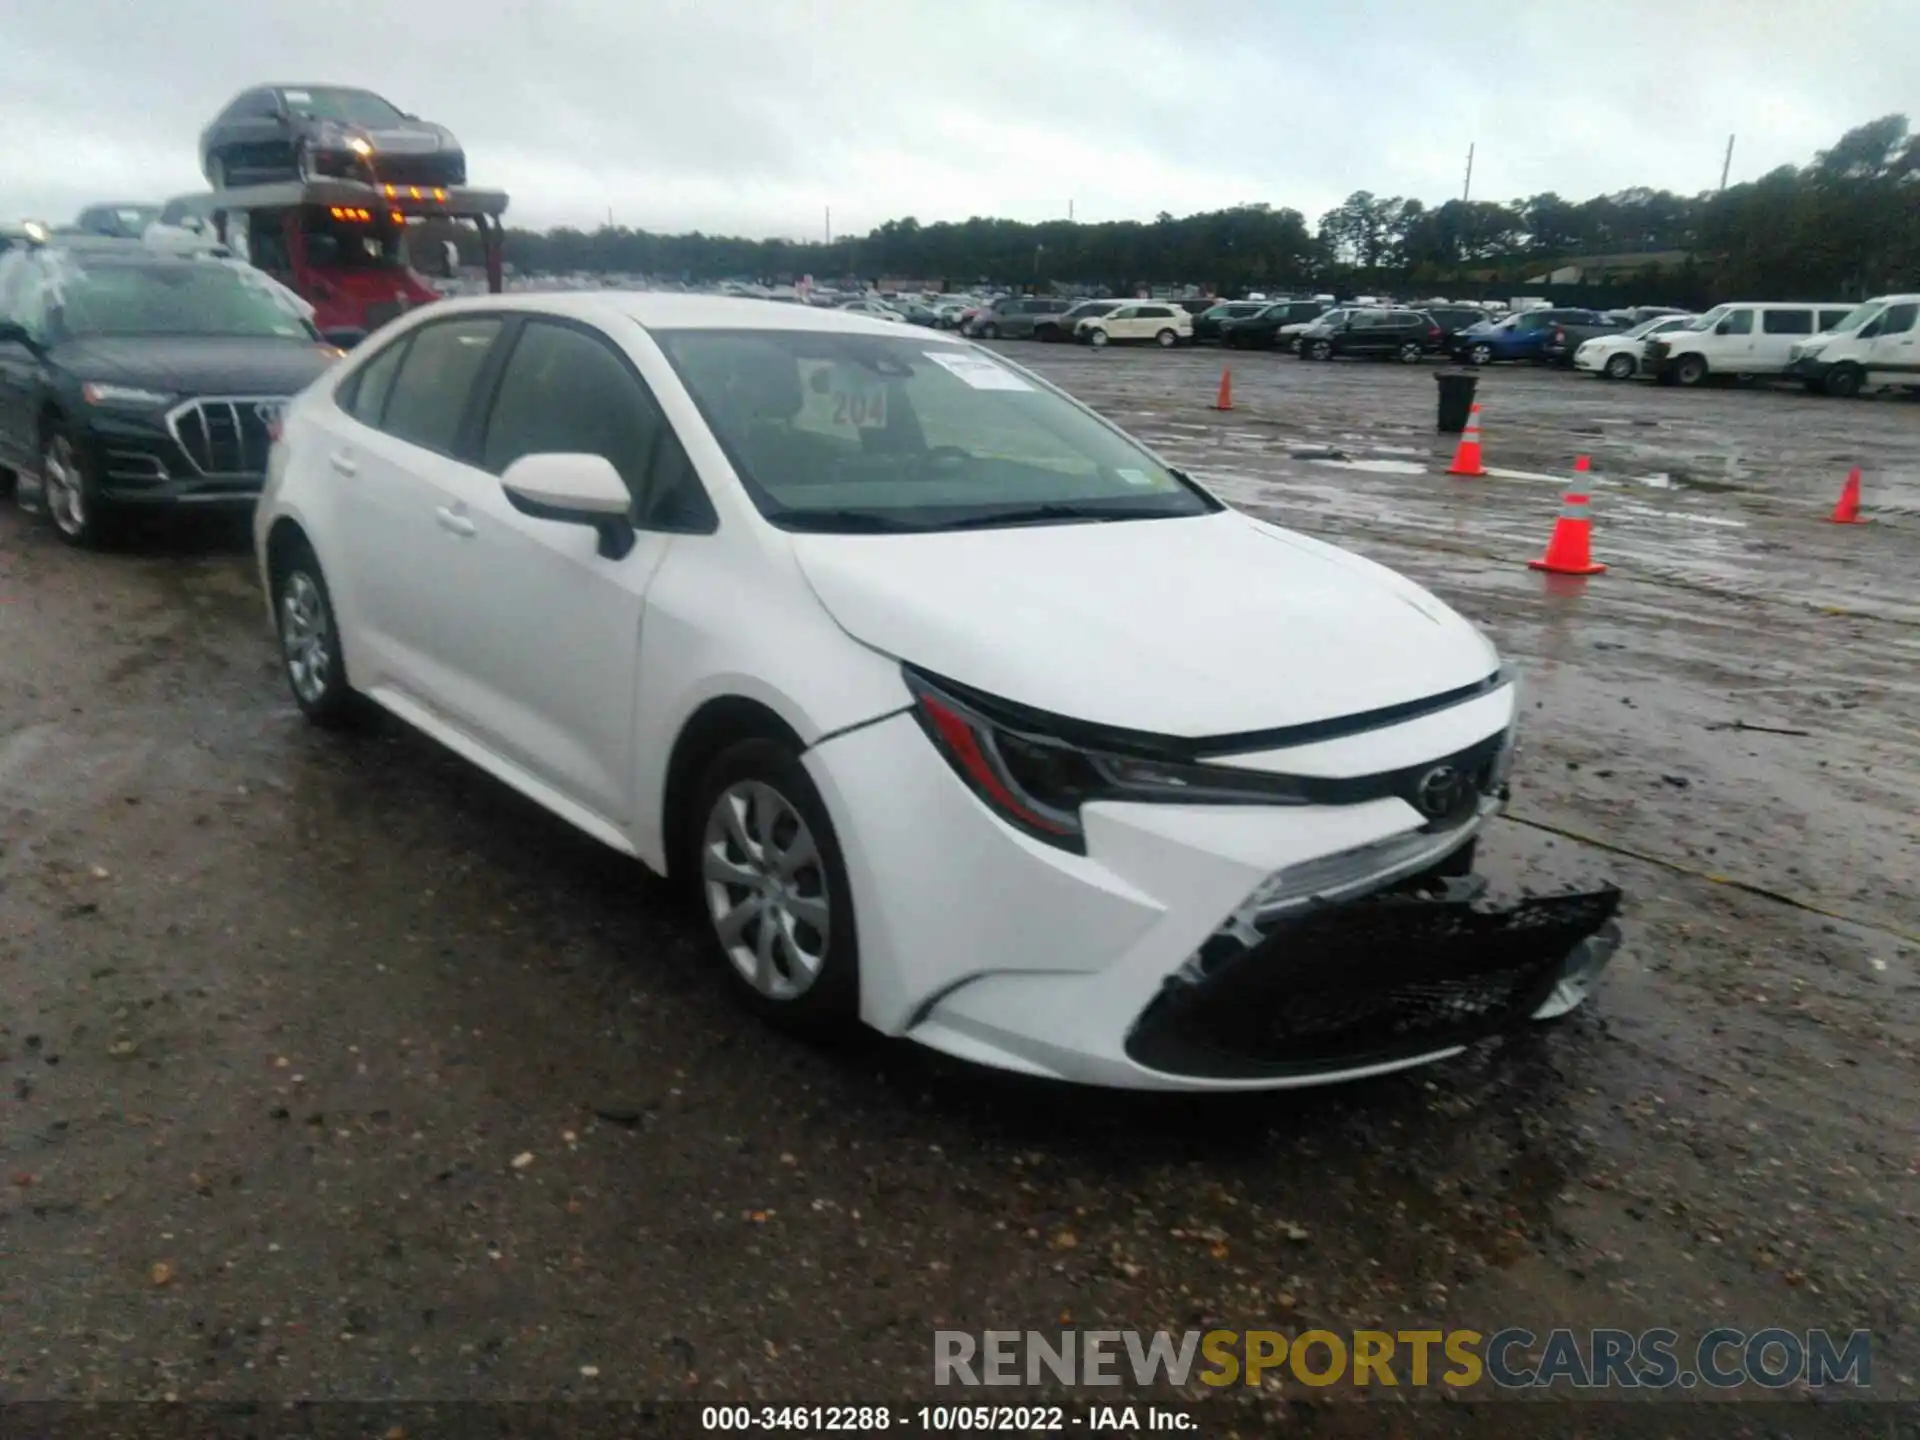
{"x":317,"y":85}
{"x":664,"y":310}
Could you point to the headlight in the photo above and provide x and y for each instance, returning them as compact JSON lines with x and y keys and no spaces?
{"x":124,"y":396}
{"x":1809,"y":349}
{"x":1038,"y":782}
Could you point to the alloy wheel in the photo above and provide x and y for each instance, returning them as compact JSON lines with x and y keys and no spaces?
{"x":306,"y":637}
{"x":765,"y":885}
{"x":63,"y":491}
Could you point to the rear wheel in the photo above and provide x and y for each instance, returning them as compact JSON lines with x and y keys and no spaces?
{"x":1321,"y":350}
{"x":1480,"y":354}
{"x":1620,"y":367}
{"x":775,"y":890}
{"x":1844,"y":381}
{"x":988,"y":331}
{"x":1409,"y":353}
{"x":1167,"y":339}
{"x":310,"y":651}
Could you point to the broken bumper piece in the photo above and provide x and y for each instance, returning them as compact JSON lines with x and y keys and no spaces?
{"x":1397,"y":977}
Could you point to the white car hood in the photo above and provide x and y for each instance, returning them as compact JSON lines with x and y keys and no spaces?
{"x":1208,"y":626}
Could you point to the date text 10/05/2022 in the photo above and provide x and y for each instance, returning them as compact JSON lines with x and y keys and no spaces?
{"x":1017,"y":1419}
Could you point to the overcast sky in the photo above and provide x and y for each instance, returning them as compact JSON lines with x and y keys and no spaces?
{"x":753,"y":116}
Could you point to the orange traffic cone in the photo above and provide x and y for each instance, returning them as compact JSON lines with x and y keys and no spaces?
{"x":1847,"y":511}
{"x":1224,"y":400}
{"x":1567,"y":548}
{"x":1466,"y":457}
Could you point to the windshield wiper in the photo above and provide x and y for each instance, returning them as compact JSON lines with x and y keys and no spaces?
{"x":844,"y":522}
{"x":1042,"y":515}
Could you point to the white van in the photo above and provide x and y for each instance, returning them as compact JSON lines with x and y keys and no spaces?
{"x":1876,"y":343}
{"x":1741,"y":339}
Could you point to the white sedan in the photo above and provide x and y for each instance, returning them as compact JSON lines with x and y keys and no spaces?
{"x":1618,"y":357}
{"x":966,"y":715}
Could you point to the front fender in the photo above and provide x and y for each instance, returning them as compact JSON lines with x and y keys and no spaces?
{"x":724,"y":622}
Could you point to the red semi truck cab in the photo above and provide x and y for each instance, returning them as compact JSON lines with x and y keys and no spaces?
{"x":359,"y":254}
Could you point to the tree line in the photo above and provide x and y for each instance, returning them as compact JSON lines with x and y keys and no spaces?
{"x":1846,"y":224}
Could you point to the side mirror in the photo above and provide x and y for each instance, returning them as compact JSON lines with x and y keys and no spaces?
{"x":574,"y":489}
{"x":1725,"y":327}
{"x":344,"y":337}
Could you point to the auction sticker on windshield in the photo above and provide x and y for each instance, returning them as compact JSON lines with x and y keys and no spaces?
{"x":980,"y":373}
{"x":841,"y":399}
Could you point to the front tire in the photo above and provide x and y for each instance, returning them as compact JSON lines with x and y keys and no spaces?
{"x":1097,"y":339}
{"x":311,"y":655}
{"x":1844,"y":381}
{"x":775,"y":890}
{"x":986,"y":332}
{"x":1481,"y":354}
{"x":69,"y":494}
{"x":1620,"y":367}
{"x":1691,"y":370}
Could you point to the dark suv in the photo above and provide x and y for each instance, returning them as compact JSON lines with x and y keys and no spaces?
{"x":129,"y":377}
{"x":1406,"y":335}
{"x":1016,"y":317}
{"x":1261,"y":330}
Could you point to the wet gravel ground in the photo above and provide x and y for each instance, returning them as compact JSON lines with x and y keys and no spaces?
{"x":331,"y":1069}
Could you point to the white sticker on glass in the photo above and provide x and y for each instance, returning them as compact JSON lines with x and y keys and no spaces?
{"x":976,"y":370}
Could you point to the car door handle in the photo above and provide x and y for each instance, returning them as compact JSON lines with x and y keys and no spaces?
{"x":458,"y":524}
{"x":343,"y":462}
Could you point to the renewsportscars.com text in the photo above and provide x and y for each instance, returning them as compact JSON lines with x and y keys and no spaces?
{"x":1512,"y":1359}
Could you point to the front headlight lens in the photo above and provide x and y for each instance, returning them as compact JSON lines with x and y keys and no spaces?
{"x":1038,"y":783}
{"x":124,"y":396}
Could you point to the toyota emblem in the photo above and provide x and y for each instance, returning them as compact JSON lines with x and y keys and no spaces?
{"x":1439,"y":791}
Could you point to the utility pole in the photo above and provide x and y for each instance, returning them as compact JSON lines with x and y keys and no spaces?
{"x":1069,"y":212}
{"x":1726,"y":165}
{"x":829,"y":225}
{"x":1466,"y":193}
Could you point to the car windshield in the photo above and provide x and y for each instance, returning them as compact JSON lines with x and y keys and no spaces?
{"x":191,"y":298}
{"x":1647,"y":327}
{"x":349,"y":107}
{"x":857,"y":433}
{"x":1856,"y":317}
{"x":1712,"y":318}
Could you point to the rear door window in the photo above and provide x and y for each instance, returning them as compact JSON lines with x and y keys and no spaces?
{"x":1787,"y":322}
{"x":365,"y":395}
{"x":430,"y":395}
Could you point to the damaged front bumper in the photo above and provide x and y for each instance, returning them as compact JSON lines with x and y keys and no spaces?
{"x":1399,"y":977}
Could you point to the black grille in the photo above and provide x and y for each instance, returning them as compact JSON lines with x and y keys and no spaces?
{"x":428,"y":168}
{"x":223,"y":436}
{"x":1386,"y":978}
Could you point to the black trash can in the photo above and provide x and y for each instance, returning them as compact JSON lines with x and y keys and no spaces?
{"x":1456,"y":399}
